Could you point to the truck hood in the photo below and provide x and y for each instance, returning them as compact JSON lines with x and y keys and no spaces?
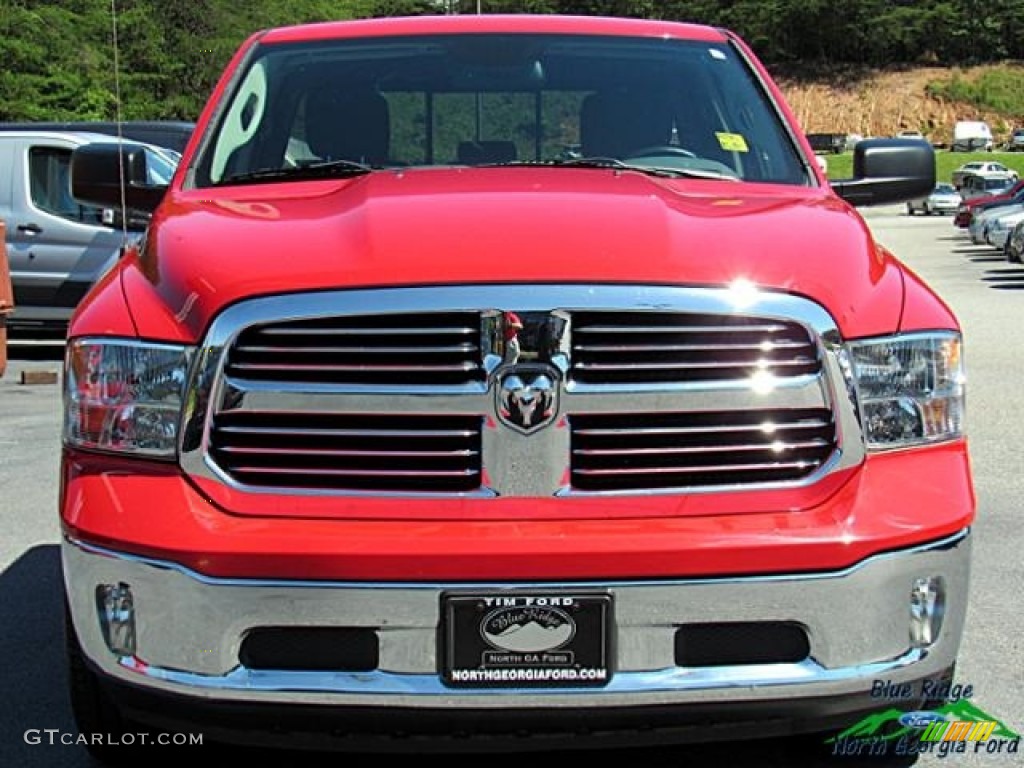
{"x":207,"y":249}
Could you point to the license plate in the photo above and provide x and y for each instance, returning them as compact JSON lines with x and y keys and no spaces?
{"x":526,"y":640}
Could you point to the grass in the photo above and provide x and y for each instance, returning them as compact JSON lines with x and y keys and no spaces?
{"x":841,"y":166}
{"x":1000,"y":89}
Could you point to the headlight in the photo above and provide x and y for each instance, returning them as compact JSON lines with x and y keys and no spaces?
{"x":910,"y":388}
{"x":123,"y":395}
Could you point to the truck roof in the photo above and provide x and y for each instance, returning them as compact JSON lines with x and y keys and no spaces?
{"x":423,"y":25}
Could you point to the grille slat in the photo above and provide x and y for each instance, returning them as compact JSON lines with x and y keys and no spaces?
{"x":697,"y":450}
{"x":351,"y":454}
{"x":424,"y":350}
{"x":307,"y":330}
{"x":354,"y":452}
{"x":643,"y":451}
{"x":724,"y":347}
{"x":304,"y":471}
{"x":764,"y":428}
{"x":671,"y":347}
{"x":689,"y":366}
{"x":441,"y":348}
{"x":329,"y":432}
{"x":717,"y":468}
{"x":651,"y":329}
{"x":248,"y":369}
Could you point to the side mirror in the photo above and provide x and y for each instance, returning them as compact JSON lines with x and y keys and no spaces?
{"x":888,"y":171}
{"x":96,"y":177}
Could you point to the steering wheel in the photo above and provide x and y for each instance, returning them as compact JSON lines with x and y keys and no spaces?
{"x":662,"y":150}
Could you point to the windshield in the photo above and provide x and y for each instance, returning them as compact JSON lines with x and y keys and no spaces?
{"x":413,"y":102}
{"x":992,"y":184}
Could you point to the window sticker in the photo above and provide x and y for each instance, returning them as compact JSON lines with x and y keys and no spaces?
{"x":732,"y":142}
{"x":717,"y":54}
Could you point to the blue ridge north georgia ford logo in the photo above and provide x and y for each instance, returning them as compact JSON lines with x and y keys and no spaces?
{"x":527,"y":629}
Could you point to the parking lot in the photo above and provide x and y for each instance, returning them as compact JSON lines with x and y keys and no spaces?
{"x":986,"y":292}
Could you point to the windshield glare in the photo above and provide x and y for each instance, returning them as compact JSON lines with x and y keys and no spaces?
{"x":499,"y":99}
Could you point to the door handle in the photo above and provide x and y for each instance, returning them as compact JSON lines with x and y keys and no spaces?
{"x":32,"y":229}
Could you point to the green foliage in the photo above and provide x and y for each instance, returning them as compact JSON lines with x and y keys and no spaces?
{"x":1000,"y":89}
{"x":58,"y":57}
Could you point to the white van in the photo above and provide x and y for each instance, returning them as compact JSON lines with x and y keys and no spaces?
{"x":969,"y":135}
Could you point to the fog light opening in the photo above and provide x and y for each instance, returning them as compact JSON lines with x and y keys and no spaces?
{"x":927,"y":608}
{"x":116,"y":609}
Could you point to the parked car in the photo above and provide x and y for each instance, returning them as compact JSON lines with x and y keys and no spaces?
{"x":909,"y":135}
{"x":6,"y":298}
{"x":834,"y":143}
{"x":57,"y":246}
{"x":1016,"y":141}
{"x":173,"y":134}
{"x":972,"y":135}
{"x":944,"y":199}
{"x":978,"y":229}
{"x":446,"y":436}
{"x":986,"y":184}
{"x":998,"y":229}
{"x":979,"y":167}
{"x":966,"y":210}
{"x":1014,"y":249}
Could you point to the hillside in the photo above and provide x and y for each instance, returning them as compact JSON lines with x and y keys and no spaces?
{"x":882,"y":103}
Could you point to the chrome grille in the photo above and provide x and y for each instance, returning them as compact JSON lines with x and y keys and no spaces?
{"x":643,"y":347}
{"x":421,"y":348}
{"x":349,"y":452}
{"x":636,"y":451}
{"x":400,"y":391}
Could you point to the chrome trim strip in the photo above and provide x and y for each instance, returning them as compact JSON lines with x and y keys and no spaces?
{"x":937,"y":545}
{"x":625,"y":688}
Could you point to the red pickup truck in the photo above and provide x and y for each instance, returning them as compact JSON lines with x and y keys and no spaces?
{"x":490,"y":377}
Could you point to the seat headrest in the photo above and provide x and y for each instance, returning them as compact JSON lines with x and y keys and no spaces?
{"x":349,"y":125}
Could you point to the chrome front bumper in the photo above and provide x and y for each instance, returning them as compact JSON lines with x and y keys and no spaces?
{"x":189,"y":629}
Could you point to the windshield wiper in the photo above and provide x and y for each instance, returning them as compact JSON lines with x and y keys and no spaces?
{"x":324,"y":169}
{"x":650,"y":170}
{"x":615,"y":164}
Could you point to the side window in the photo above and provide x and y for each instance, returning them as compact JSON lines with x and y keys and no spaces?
{"x":50,"y":186}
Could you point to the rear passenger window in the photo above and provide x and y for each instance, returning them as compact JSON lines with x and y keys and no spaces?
{"x":50,"y":186}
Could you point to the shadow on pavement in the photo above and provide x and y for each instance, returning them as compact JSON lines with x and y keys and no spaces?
{"x":1009,"y":279}
{"x":32,"y":676}
{"x":34,"y":680}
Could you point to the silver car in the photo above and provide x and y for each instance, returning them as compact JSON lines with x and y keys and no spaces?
{"x":942,"y":200}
